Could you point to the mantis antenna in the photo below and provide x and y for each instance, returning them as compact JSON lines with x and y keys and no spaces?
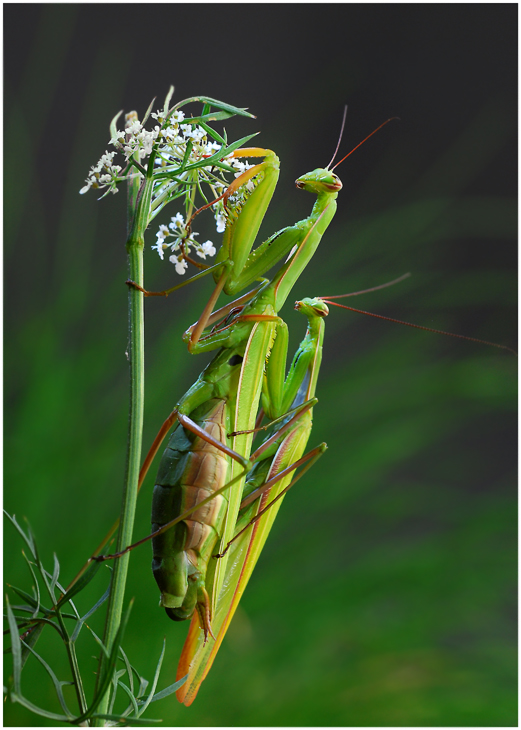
{"x":339,"y":136}
{"x":328,"y":300}
{"x":361,"y":143}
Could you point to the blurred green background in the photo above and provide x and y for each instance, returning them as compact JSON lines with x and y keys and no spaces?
{"x":386,"y":594}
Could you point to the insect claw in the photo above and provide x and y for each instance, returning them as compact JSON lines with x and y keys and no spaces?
{"x":203,"y":610}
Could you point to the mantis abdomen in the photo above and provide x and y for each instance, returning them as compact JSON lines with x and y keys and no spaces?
{"x":191,"y":469}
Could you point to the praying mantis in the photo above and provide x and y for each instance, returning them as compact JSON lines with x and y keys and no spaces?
{"x":266,"y":484}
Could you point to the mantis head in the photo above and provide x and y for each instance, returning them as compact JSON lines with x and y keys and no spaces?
{"x":324,"y":180}
{"x":319,"y":181}
{"x":312,"y":307}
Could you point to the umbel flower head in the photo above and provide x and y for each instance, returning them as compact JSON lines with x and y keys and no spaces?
{"x":176,"y":157}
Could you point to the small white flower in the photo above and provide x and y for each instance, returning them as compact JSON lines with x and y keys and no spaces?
{"x":134,"y":128}
{"x":118,"y":138}
{"x":239,"y":165}
{"x":106,"y":159}
{"x":177,"y":117}
{"x":163,"y":232}
{"x":178,"y":222}
{"x":220,"y":221}
{"x":207,"y":249}
{"x":159,"y":248}
{"x":212,"y":147}
{"x":180,"y":264}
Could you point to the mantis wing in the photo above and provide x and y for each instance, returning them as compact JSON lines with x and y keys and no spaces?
{"x":197,"y":657}
{"x":248,"y":395}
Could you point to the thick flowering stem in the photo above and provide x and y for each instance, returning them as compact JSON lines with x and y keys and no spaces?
{"x":137,"y":220}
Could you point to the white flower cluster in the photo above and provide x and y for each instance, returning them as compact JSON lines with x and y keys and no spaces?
{"x":170,"y":145}
{"x":177,"y":223}
{"x":237,"y":200}
{"x":136,"y":140}
{"x":174,"y":142}
{"x":241,"y":195}
{"x":177,"y":231}
{"x":102,"y":174}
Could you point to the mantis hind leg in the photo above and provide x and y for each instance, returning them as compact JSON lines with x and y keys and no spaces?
{"x":309,"y":459}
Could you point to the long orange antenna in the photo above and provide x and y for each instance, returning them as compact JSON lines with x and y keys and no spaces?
{"x":373,"y":288}
{"x":339,"y":136}
{"x":420,"y":327}
{"x":364,"y":140}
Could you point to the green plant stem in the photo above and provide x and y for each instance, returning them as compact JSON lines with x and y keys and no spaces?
{"x":73,"y":661}
{"x":137,"y":215}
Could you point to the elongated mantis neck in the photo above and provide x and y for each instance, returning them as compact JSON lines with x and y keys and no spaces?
{"x":323,"y":212}
{"x":316,"y":328}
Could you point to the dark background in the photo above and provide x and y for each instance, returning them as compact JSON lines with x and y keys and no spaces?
{"x":386,"y":594}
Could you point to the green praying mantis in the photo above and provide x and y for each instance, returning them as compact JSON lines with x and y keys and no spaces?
{"x":266,"y":484}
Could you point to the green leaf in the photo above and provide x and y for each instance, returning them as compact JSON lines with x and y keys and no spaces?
{"x":155,"y":680}
{"x":89,"y":613}
{"x":188,"y":152}
{"x":215,"y":103}
{"x":211,"y":117}
{"x":131,"y":697}
{"x":129,"y":669}
{"x":27,"y":597}
{"x":80,"y":584}
{"x":147,"y":113}
{"x":213,"y":133}
{"x":169,"y":690}
{"x":56,"y":682}
{"x":32,"y":602}
{"x":38,"y":624}
{"x":125,"y":720}
{"x":36,"y":585}
{"x":37,"y":710}
{"x":28,"y":539}
{"x":113,"y":126}
{"x":112,"y":693}
{"x":55,"y":573}
{"x":33,"y":637}
{"x":16,"y":647}
{"x":109,"y":665}
{"x":98,"y":641}
{"x":167,"y":99}
{"x":44,"y":573}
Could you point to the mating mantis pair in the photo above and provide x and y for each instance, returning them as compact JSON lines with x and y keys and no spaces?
{"x":226,"y":397}
{"x":200,"y":501}
{"x":225,"y":400}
